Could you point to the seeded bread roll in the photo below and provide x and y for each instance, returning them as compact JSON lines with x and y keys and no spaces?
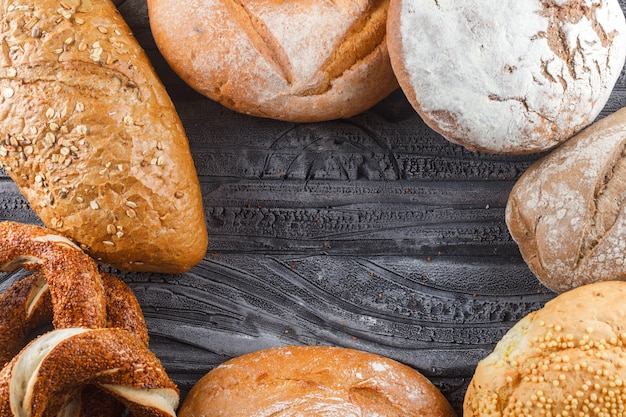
{"x":516,"y":77}
{"x":566,"y":212}
{"x":314,"y":381}
{"x":567,"y":358}
{"x":91,"y":138}
{"x":301,"y":61}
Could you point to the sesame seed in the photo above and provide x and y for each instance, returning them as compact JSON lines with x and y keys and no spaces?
{"x":108,"y":243}
{"x":94,"y":205}
{"x":131,"y":204}
{"x":8,"y":92}
{"x":102,"y":29}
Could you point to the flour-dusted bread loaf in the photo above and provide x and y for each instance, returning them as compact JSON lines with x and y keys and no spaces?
{"x":567,"y":211}
{"x":510,"y":76}
{"x":566,"y":359}
{"x":313,"y":381}
{"x":300,"y":60}
{"x":91,"y":138}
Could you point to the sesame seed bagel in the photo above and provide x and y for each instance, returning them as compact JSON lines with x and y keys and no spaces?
{"x":48,"y":374}
{"x":27,"y":305}
{"x":91,"y":138}
{"x":313,"y":381}
{"x":567,"y":358}
{"x":74,"y":281}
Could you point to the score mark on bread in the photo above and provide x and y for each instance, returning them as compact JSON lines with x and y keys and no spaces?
{"x":92,"y":139}
{"x":295,"y":61}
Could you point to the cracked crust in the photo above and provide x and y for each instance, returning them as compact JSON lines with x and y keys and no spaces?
{"x":300,"y":61}
{"x":567,"y":357}
{"x":314,"y":381}
{"x":514,"y":78}
{"x":567,"y":211}
{"x":91,"y":138}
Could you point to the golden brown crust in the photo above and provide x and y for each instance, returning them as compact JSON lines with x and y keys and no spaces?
{"x":301,"y":61}
{"x":92,"y":139}
{"x":68,"y":359}
{"x":313,"y":381}
{"x":568,"y":356}
{"x":566,"y":212}
{"x":23,"y":308}
{"x":76,"y":289}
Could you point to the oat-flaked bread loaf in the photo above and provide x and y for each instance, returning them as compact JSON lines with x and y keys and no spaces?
{"x":91,"y":138}
{"x":301,"y":60}
{"x":314,"y":381}
{"x":566,"y":359}
{"x":567,"y":211}
{"x":512,"y":76}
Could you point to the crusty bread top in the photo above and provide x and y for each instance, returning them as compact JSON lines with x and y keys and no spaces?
{"x":92,"y":139}
{"x":567,"y":357}
{"x":305,"y":60}
{"x":514,"y":77}
{"x":314,"y":381}
{"x":566,"y":212}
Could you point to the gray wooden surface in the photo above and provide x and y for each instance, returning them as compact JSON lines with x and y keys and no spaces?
{"x":372,"y":233}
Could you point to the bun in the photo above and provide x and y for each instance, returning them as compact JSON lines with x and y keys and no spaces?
{"x":516,"y":77}
{"x":564,"y":359}
{"x":313,"y":381}
{"x":299,"y":61}
{"x":566,"y":212}
{"x":92,"y":139}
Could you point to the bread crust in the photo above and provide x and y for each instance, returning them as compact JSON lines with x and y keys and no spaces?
{"x":92,"y":139}
{"x":567,"y":211}
{"x":512,"y":78}
{"x":299,"y":61}
{"x":567,"y":357}
{"x":313,"y":381}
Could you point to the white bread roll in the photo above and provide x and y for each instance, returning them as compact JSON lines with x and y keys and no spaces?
{"x":314,"y":381}
{"x":301,"y":60}
{"x":507,"y":76}
{"x":566,"y":359}
{"x":567,"y":211}
{"x":92,"y":139}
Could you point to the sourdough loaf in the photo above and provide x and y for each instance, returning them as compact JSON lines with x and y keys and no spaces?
{"x":512,"y":76}
{"x":304,"y":60}
{"x":566,"y":212}
{"x":91,"y":138}
{"x":314,"y":381}
{"x":566,"y":359}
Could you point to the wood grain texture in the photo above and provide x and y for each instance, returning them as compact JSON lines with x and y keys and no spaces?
{"x":373,"y":233}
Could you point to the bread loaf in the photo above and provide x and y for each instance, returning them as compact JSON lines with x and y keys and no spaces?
{"x":91,"y":138}
{"x":566,"y":212}
{"x":512,"y":77}
{"x":301,"y":61}
{"x":314,"y":381}
{"x":566,"y":359}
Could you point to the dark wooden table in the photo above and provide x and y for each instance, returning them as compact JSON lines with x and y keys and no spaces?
{"x":372,"y":233}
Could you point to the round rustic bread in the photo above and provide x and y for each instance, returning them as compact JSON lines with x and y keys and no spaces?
{"x":566,"y":359}
{"x":566,"y":212}
{"x":314,"y":381}
{"x":516,"y":77}
{"x":305,"y":60}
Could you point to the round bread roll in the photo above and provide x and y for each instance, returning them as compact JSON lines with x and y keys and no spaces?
{"x":300,"y":61}
{"x":313,"y":381}
{"x":513,"y":77}
{"x":566,"y":212}
{"x":566,"y":359}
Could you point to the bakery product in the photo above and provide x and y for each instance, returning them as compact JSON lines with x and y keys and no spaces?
{"x":313,"y":381}
{"x":300,"y":61}
{"x":91,"y":138}
{"x":566,"y":212}
{"x":566,"y":359}
{"x":516,"y":77}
